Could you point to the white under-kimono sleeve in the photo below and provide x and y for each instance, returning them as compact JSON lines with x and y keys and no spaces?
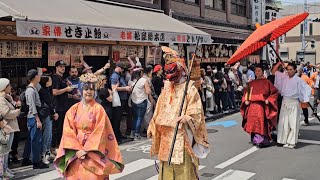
{"x":278,"y":81}
{"x":304,"y":91}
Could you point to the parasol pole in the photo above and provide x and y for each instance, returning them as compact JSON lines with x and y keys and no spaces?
{"x":282,"y":62}
{"x":275,"y":51}
{"x":182,"y":103}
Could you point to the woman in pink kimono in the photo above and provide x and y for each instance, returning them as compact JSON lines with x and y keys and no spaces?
{"x":88,"y":148}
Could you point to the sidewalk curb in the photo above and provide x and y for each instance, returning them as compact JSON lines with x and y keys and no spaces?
{"x":221,"y":115}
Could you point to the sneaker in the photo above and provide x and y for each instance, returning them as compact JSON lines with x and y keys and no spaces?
{"x":50,"y":156}
{"x":208,"y":114}
{"x":131,"y":135}
{"x":291,"y":146}
{"x":137,"y":137}
{"x":26,"y":162}
{"x":286,"y":145}
{"x":40,"y":165}
{"x":226,"y":112}
{"x":8,"y":175}
{"x":10,"y":171}
{"x":302,"y":123}
{"x":44,"y":159}
{"x":14,"y":160}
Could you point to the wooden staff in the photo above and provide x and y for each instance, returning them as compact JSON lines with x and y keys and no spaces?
{"x":182,"y":103}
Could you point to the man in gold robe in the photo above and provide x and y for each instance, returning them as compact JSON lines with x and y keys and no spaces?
{"x":192,"y":139}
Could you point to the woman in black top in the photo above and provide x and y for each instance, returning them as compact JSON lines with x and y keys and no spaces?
{"x":157,"y":79}
{"x":105,"y":95}
{"x":46,"y":114}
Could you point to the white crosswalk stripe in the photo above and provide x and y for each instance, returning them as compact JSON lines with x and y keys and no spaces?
{"x":156,"y":176}
{"x":133,"y":167}
{"x":234,"y":175}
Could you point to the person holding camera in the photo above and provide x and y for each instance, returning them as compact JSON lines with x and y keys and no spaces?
{"x":10,"y":111}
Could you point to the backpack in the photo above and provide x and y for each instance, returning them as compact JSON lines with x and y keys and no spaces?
{"x":24,"y":107}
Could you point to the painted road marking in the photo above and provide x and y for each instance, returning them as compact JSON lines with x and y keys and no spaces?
{"x":51,"y":174}
{"x":309,"y":141}
{"x":235,"y":175}
{"x":236,"y":158}
{"x":288,"y":179}
{"x":123,"y":147}
{"x":156,"y":176}
{"x":222,"y":123}
{"x":133,"y":167}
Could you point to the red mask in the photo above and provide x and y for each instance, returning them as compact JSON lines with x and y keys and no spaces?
{"x":172,"y":72}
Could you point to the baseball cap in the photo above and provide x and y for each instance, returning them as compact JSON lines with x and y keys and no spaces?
{"x":60,"y":63}
{"x":121,"y":64}
{"x":157,"y":68}
{"x":32,"y":73}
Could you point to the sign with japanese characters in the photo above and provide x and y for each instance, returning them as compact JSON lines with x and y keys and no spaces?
{"x":68,"y":31}
{"x":72,"y":53}
{"x":258,"y":11}
{"x":272,"y":15}
{"x":20,"y":49}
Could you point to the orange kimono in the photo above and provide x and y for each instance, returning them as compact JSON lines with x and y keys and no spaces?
{"x":191,"y":135}
{"x":310,"y":83}
{"x":88,"y":128}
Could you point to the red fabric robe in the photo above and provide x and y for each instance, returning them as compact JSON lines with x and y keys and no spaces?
{"x":257,"y":116}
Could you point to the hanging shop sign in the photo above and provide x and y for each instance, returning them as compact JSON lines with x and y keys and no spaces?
{"x":68,"y":31}
{"x":154,"y":55}
{"x":123,"y":52}
{"x":215,"y":53}
{"x":72,"y":53}
{"x":255,"y":59}
{"x":20,"y":49}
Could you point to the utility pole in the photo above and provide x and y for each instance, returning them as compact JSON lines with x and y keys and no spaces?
{"x":305,"y":27}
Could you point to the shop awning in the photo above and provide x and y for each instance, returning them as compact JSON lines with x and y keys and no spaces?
{"x":63,"y":18}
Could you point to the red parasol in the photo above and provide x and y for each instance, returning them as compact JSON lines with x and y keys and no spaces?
{"x":265,"y":34}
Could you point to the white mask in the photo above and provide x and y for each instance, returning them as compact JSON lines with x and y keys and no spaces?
{"x":215,"y":71}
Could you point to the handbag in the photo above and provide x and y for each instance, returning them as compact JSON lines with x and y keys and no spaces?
{"x":130,"y":98}
{"x":116,"y":102}
{"x":43,"y":111}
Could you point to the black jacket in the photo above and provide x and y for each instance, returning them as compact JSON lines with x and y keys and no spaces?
{"x":47,"y":97}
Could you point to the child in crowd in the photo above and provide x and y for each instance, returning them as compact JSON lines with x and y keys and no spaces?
{"x":4,"y":148}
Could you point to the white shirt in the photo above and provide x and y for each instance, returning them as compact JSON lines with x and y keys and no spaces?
{"x":294,"y":87}
{"x":139,"y":93}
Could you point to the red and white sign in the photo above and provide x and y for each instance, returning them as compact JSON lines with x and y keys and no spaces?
{"x":71,"y":31}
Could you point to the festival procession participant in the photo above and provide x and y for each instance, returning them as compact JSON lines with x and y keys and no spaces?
{"x":259,"y":109}
{"x":88,"y":148}
{"x":293,"y":89}
{"x":192,"y":139}
{"x":305,"y":105}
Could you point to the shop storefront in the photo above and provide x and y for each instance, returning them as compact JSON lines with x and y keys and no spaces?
{"x":89,"y":31}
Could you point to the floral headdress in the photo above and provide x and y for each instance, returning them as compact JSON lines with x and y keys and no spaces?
{"x":89,"y":78}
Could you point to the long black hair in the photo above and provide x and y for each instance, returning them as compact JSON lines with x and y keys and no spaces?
{"x":44,"y":80}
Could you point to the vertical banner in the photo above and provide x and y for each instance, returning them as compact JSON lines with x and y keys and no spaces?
{"x":258,"y":11}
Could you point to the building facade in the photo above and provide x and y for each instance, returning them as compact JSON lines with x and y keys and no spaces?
{"x":291,"y":46}
{"x":228,"y":22}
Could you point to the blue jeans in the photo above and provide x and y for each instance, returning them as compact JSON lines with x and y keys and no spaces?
{"x":139,"y":110}
{"x":6,"y":156}
{"x":46,"y":134}
{"x":35,"y":140}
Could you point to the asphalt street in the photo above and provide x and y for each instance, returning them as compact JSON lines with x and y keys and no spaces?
{"x":232,"y":157}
